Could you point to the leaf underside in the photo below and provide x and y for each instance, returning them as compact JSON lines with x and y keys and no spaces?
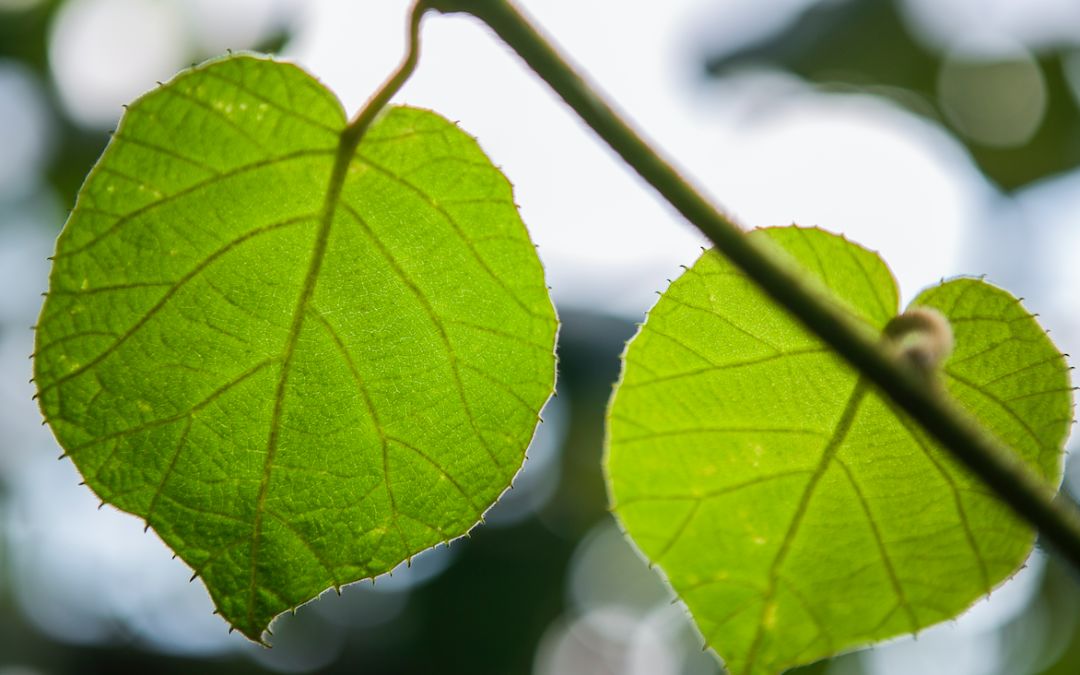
{"x":791,"y":507}
{"x":294,"y":391}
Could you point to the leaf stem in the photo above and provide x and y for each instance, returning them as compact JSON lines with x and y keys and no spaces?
{"x":354,"y":131}
{"x":347,"y":144}
{"x":1002,"y":470}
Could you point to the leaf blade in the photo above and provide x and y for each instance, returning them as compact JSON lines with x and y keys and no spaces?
{"x":286,"y":384}
{"x":804,"y":541}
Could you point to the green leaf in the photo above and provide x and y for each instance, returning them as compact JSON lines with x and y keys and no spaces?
{"x":792,"y":508}
{"x":296,"y":390}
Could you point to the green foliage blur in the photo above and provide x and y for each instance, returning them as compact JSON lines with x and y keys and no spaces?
{"x":1015,"y":110}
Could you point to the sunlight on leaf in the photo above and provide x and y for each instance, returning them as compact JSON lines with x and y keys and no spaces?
{"x":294,"y":394}
{"x":791,"y":507}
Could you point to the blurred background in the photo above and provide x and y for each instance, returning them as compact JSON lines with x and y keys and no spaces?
{"x":944,"y":133}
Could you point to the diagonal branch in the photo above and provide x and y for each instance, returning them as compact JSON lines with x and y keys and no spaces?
{"x":1030,"y":497}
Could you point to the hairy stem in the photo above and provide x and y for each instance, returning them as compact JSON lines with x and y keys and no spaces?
{"x":1002,"y":470}
{"x":354,"y":131}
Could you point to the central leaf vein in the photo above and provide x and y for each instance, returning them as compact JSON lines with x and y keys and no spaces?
{"x":831,"y":448}
{"x":322,"y":237}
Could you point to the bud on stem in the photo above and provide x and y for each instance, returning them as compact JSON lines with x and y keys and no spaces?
{"x":921,"y":337}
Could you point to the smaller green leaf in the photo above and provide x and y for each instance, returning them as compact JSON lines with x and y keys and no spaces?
{"x":794,"y":510}
{"x":300,"y":368}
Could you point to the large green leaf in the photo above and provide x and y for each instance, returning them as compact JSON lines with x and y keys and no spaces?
{"x":793,"y":509}
{"x":295,"y":391}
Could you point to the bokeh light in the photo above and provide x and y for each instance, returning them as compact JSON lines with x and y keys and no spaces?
{"x":994,"y":94}
{"x":26,"y":133}
{"x":104,"y":53}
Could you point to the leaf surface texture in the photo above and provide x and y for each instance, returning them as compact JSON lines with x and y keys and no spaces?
{"x":794,"y":510}
{"x":296,"y":387}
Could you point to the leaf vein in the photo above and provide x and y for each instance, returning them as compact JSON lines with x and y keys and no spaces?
{"x":843,"y":425}
{"x":499,"y":281}
{"x":173,"y":290}
{"x":882,"y":550}
{"x":435,"y":320}
{"x":195,"y":187}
